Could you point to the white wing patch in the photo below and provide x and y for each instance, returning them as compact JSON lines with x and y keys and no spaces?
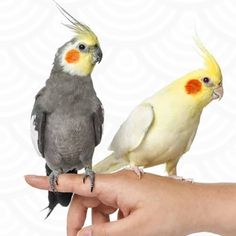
{"x":34,"y":134}
{"x":133,"y":130}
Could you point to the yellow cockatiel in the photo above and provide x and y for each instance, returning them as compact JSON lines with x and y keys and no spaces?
{"x":162,"y":128}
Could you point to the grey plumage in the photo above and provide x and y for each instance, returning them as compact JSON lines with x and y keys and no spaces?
{"x":73,"y":113}
{"x":67,"y":118}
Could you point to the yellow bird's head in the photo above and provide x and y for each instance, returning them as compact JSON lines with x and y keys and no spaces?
{"x":79,"y":56}
{"x":203,"y":85}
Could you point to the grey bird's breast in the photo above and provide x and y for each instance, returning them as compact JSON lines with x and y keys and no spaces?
{"x":68,"y":138}
{"x":69,"y":131}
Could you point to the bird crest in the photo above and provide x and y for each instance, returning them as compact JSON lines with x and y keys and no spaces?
{"x":210,"y":62}
{"x":82,"y":31}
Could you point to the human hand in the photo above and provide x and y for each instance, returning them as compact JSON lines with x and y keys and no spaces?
{"x":151,"y":206}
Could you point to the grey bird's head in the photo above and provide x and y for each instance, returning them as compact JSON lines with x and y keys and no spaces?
{"x":79,"y":55}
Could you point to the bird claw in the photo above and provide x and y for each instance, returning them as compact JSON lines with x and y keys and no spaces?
{"x":53,"y":180}
{"x":89,"y":173}
{"x":138,"y":171}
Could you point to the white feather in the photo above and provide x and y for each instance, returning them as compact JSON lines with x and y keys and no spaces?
{"x":34,"y":134}
{"x":71,"y":68}
{"x":133,"y":130}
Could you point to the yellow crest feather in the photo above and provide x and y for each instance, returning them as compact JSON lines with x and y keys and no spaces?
{"x":210,"y":62}
{"x":81,"y":30}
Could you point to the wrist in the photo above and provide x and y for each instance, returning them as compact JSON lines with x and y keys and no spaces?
{"x":212,"y":209}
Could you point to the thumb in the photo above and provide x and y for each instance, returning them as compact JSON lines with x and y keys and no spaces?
{"x":125,"y":226}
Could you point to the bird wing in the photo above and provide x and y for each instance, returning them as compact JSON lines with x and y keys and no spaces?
{"x":98,"y":119}
{"x":37,"y":124}
{"x":132,"y":132}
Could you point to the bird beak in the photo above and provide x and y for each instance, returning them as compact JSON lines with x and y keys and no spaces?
{"x":218,"y":92}
{"x":97,"y":55}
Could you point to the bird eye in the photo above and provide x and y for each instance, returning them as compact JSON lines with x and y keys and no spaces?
{"x":206,"y":80}
{"x":82,"y":47}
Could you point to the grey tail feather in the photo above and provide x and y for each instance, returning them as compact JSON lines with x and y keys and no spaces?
{"x":49,"y":212}
{"x":55,"y":198}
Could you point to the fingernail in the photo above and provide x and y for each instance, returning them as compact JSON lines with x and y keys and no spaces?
{"x":32,"y":177}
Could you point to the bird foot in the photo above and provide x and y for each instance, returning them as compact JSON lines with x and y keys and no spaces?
{"x":89,"y":173}
{"x":181,"y":178}
{"x":53,"y":180}
{"x":138,"y":171}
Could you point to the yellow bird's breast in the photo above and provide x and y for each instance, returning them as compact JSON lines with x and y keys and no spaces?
{"x":171,"y":134}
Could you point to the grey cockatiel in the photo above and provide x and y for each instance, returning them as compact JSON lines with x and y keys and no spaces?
{"x":67,"y":117}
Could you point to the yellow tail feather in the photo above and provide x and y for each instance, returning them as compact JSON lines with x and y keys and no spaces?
{"x":109,"y":164}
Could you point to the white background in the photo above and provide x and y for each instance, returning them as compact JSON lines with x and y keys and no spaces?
{"x":146,"y":45}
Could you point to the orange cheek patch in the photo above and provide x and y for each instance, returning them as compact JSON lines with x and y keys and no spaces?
{"x":193,"y":86}
{"x":72,"y":56}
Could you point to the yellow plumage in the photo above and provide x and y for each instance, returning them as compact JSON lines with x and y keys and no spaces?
{"x":162,"y":128}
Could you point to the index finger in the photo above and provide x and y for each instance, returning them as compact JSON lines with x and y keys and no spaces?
{"x":69,"y":183}
{"x":109,"y":188}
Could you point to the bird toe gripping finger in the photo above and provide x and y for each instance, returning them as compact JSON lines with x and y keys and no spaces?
{"x":138,"y":171}
{"x":89,"y":173}
{"x":53,"y":180}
